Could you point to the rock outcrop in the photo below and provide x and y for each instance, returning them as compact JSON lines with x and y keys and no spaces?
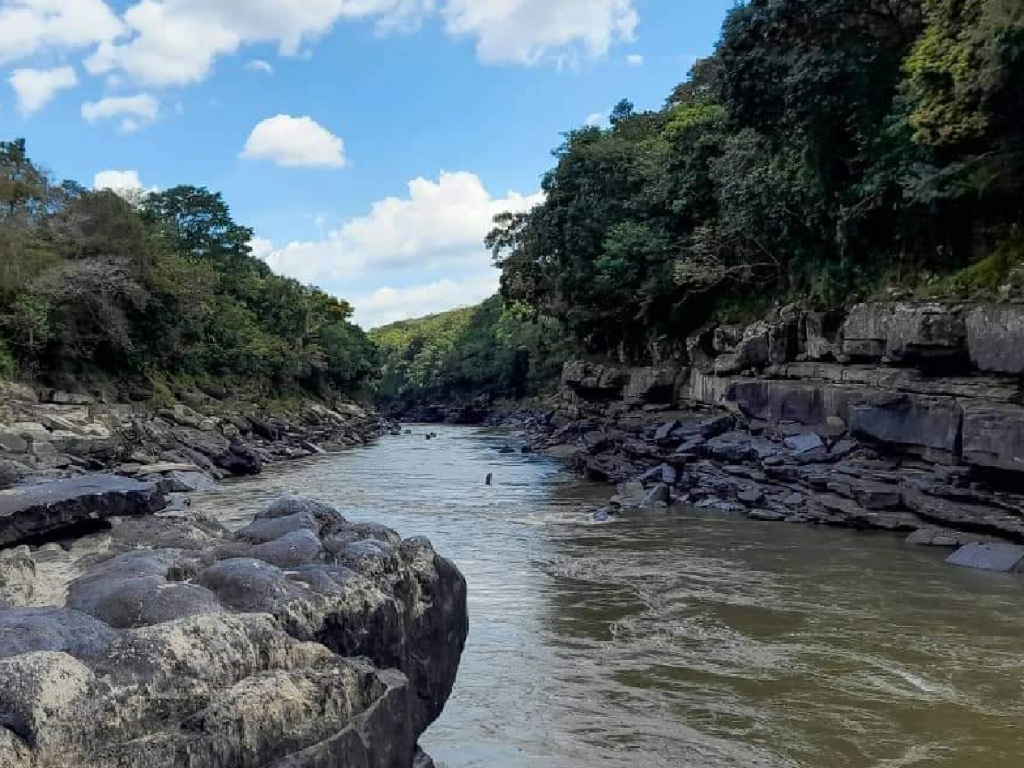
{"x":35,"y":512}
{"x":55,"y":434}
{"x":303,"y":640}
{"x":897,"y":416}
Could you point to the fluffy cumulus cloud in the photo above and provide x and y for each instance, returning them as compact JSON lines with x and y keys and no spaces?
{"x":439,"y":224}
{"x":30,"y":27}
{"x":295,"y":142}
{"x":177,"y":42}
{"x":388,"y":305}
{"x":635,"y":60}
{"x":35,"y":88}
{"x":126,"y":183}
{"x":133,"y":112}
{"x":531,"y":31}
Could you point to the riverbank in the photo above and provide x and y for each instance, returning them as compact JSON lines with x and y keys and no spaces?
{"x":898,"y":417}
{"x":48,"y":436}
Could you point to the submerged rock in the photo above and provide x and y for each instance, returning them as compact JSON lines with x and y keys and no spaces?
{"x":334,"y":643}
{"x":989,"y":556}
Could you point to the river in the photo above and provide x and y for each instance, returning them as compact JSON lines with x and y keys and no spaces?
{"x":680,"y":640}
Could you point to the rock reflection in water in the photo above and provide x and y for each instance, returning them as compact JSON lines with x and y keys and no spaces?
{"x":681,"y":640}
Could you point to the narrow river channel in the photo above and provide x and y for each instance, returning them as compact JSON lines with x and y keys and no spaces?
{"x":680,"y":640}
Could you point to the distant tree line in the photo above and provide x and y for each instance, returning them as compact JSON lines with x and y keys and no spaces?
{"x":161,"y":286}
{"x":487,"y":351}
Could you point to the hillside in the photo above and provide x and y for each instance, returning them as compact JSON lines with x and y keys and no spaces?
{"x":139,"y":296}
{"x":487,"y":351}
{"x":820,"y":156}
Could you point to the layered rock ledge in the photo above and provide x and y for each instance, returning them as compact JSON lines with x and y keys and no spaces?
{"x":302,"y":640}
{"x":896,"y":416}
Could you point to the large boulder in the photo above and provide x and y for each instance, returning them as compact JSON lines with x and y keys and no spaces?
{"x":211,"y":655}
{"x":993,"y":436}
{"x":995,"y":338}
{"x":33,"y":512}
{"x":989,"y":556}
{"x":926,"y":425}
{"x":594,"y":381}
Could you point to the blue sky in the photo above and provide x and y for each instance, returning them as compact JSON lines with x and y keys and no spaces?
{"x":368,"y":142}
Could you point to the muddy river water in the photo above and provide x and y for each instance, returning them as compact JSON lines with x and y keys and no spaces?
{"x":679,"y":639}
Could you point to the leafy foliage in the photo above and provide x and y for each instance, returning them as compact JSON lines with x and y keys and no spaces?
{"x":822,"y":149}
{"x":164,"y":286}
{"x":488,"y":351}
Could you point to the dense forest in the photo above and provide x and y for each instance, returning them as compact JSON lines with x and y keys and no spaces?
{"x":825,"y":151}
{"x":486,"y":351}
{"x":158,"y":289}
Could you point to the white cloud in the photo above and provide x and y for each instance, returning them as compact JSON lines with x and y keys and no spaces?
{"x":635,"y":60}
{"x":125,"y":183}
{"x":532,"y":31}
{"x":35,"y":88}
{"x":440,"y":224}
{"x":29,"y":27}
{"x":597,"y":120}
{"x":259,"y":65}
{"x":388,"y":305}
{"x":261,"y":247}
{"x":134,"y":111}
{"x":177,"y":42}
{"x":295,"y":142}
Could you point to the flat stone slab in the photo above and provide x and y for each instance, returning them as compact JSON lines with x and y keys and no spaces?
{"x":41,"y":510}
{"x":996,"y":556}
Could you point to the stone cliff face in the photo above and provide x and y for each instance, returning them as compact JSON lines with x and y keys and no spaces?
{"x":896,"y":415}
{"x":303,"y":640}
{"x":940,"y":381}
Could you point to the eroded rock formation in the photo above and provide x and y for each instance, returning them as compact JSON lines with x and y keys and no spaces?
{"x":303,"y":640}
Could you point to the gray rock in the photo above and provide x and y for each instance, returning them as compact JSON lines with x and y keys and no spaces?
{"x":999,"y":557}
{"x":603,"y":515}
{"x":959,"y":514}
{"x":291,"y":550}
{"x":842,"y":449}
{"x":658,"y":496}
{"x":311,"y":665}
{"x":994,"y":338}
{"x":751,"y":497}
{"x":905,"y":333}
{"x":806,"y":443}
{"x":28,"y":630}
{"x":34,"y":511}
{"x":942,"y":537}
{"x":11,"y":472}
{"x":929,"y":424}
{"x":993,"y":436}
{"x":740,"y":447}
{"x":187,"y":482}
{"x":17,"y":577}
{"x":766,"y":515}
{"x":664,"y":473}
{"x":663,"y":433}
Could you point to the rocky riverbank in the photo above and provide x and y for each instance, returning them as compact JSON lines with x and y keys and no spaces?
{"x":301,"y":640}
{"x":902,"y":417}
{"x":47,"y":436}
